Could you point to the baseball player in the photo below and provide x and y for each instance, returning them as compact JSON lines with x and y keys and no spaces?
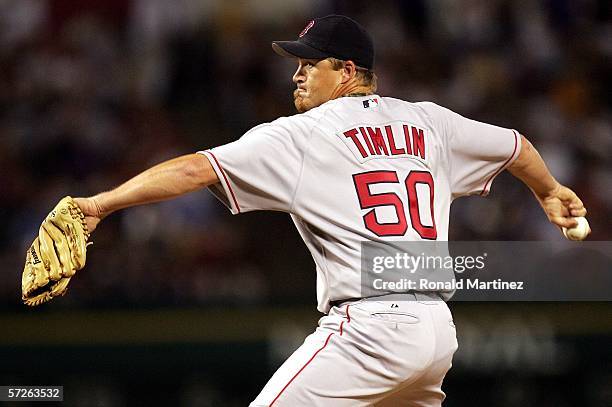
{"x":354,"y":166}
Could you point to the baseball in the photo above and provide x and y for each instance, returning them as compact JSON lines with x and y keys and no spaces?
{"x":580,"y":231}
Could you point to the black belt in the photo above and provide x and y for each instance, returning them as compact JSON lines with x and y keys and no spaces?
{"x":409,"y":296}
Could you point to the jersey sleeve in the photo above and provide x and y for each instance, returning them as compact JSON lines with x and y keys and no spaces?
{"x":260,"y":171}
{"x":477,"y":152}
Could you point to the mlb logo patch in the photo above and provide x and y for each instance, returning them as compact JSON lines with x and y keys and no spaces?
{"x":373,"y":102}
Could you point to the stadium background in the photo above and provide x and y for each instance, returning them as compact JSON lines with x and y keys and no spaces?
{"x":183,"y":304}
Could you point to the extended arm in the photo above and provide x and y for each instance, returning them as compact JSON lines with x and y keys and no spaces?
{"x":559,"y":203}
{"x":167,"y":180}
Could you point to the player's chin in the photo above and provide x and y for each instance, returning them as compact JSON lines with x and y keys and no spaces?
{"x":302,"y":104}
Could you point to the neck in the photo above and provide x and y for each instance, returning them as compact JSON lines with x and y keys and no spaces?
{"x":351,"y":88}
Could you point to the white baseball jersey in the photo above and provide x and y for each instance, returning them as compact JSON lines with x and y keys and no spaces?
{"x":361,"y":168}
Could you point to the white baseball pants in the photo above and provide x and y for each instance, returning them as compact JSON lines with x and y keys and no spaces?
{"x":369,"y":353}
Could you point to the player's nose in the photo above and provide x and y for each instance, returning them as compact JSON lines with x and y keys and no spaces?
{"x":298,"y":76}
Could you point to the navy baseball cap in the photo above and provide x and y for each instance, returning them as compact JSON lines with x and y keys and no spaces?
{"x":331,"y":36}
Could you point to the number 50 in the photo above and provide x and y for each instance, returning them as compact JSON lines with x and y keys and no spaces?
{"x":369,"y":200}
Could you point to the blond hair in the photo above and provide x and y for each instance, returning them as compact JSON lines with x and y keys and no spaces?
{"x":366,"y":77}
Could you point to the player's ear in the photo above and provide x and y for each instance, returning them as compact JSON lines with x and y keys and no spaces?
{"x":348,"y":71}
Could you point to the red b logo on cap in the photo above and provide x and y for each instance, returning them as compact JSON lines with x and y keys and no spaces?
{"x":308,"y":27}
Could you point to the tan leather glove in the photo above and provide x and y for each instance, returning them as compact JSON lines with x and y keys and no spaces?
{"x":56,"y":254}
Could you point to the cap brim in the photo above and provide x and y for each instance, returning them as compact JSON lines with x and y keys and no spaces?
{"x":296,"y":49}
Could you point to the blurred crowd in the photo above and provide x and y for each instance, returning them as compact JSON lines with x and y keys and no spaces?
{"x":92,"y":92}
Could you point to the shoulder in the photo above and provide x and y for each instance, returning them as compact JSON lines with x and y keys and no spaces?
{"x":287,"y":133}
{"x":439,"y":117}
{"x":300,"y":123}
{"x":432,"y":109}
{"x":296,"y":129}
{"x":430,"y":113}
{"x":426,"y":108}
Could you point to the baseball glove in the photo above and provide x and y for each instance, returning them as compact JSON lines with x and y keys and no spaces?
{"x":56,"y":254}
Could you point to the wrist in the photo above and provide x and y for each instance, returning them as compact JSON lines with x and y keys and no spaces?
{"x":550,"y":192}
{"x":101,"y":205}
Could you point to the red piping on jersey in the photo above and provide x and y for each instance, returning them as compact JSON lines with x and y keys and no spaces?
{"x":303,"y":367}
{"x":226,"y":180}
{"x":348,"y":319}
{"x":500,"y":169}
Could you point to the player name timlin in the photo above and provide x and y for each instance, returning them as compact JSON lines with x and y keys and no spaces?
{"x":388,"y":140}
